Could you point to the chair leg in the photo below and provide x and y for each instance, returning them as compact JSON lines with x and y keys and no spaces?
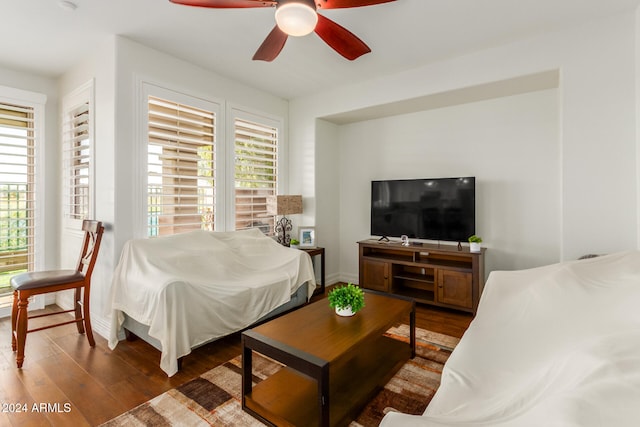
{"x":87,"y":318}
{"x":78,"y":310}
{"x":14,"y":317}
{"x":21,"y":328}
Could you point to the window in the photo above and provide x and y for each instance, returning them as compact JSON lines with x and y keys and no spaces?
{"x":77,"y":157}
{"x":19,"y":132}
{"x":256,"y":173}
{"x":181,"y":184}
{"x":204,"y":167}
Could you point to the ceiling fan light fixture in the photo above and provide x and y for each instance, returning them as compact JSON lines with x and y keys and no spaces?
{"x":296,"y":19}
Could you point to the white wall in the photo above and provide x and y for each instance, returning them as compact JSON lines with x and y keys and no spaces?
{"x":637,"y":81}
{"x":329,"y":226}
{"x":510,"y":144}
{"x":596,"y":133}
{"x":99,"y":67}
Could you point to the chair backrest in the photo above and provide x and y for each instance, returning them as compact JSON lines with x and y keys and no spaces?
{"x":91,"y":245}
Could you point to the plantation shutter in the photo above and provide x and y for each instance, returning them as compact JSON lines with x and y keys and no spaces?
{"x":17,"y":191}
{"x":256,"y":172}
{"x":77,"y":162}
{"x":181,"y":173}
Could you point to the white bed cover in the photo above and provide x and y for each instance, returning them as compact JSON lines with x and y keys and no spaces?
{"x":550,"y":346}
{"x":190,"y":288}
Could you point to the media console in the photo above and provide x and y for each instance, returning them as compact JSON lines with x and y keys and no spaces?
{"x":441,"y":275}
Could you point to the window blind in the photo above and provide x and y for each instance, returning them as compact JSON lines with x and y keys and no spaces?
{"x":17,"y":191}
{"x":181,"y":172}
{"x":77,"y":162}
{"x":256,"y":171}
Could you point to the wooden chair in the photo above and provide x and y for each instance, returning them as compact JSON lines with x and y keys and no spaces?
{"x":41,"y":282}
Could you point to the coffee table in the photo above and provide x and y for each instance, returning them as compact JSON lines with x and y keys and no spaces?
{"x":333,"y":365}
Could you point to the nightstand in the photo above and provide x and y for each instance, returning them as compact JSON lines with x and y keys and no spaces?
{"x":312,"y":253}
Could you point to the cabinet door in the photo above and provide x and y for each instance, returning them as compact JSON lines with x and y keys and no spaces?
{"x":375,"y":275}
{"x":455,"y":288}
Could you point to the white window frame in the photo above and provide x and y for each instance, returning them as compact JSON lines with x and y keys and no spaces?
{"x":147,"y":89}
{"x":9,"y":95}
{"x":242,"y":113}
{"x":224,"y":149}
{"x":71,"y":102}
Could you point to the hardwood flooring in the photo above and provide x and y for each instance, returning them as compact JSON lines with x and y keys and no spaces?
{"x":64,"y":382}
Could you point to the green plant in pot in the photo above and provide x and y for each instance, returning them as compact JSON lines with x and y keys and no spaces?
{"x":294,"y":243}
{"x":347,"y":300}
{"x":474,"y":243}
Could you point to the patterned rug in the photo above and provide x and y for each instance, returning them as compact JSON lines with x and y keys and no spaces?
{"x":214,"y":398}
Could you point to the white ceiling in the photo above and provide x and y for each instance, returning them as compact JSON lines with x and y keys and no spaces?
{"x":39,"y":36}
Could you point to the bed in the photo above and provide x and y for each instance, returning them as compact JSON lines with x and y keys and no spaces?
{"x":552,"y":346}
{"x":182,"y":291}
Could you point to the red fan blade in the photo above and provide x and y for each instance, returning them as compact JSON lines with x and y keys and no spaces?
{"x":271,"y":46}
{"x":339,"y":4}
{"x":225,"y":4}
{"x":340,"y":39}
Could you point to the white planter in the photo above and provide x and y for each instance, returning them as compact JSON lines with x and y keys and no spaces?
{"x":346,"y":312}
{"x":294,"y":246}
{"x":474,"y":247}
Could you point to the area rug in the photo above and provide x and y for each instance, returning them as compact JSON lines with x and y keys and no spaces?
{"x":214,"y":398}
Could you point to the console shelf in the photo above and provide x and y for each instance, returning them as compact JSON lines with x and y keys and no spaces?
{"x":441,"y":275}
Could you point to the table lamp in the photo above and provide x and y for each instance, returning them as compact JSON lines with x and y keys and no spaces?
{"x":284,"y":205}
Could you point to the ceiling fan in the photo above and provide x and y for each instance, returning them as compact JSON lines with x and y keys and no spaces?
{"x":299,"y":18}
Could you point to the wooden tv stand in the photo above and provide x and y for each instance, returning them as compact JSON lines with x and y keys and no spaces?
{"x":433,"y":274}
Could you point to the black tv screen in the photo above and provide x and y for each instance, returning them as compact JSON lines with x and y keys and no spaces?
{"x":430,"y":209}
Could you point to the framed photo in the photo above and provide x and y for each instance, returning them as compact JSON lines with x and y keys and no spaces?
{"x":307,"y":237}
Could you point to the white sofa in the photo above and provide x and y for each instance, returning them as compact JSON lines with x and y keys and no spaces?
{"x":552,"y":346}
{"x":189,"y":289}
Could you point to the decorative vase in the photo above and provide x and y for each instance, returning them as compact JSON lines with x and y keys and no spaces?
{"x":474,"y":247}
{"x":294,"y":246}
{"x":346,"y":311}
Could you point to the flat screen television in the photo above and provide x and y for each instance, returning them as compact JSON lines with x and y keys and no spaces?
{"x":429,"y":209}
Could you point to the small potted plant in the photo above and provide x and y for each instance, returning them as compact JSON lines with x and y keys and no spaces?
{"x":474,"y":243}
{"x":347,"y":300}
{"x":294,"y":243}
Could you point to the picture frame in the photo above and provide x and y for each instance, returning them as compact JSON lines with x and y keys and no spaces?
{"x":307,"y":237}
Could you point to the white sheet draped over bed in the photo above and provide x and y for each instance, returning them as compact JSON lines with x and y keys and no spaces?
{"x":190,"y":288}
{"x":551,"y":346}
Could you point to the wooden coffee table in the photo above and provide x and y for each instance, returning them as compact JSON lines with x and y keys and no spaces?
{"x":333,"y":365}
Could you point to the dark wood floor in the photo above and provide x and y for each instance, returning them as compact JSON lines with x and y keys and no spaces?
{"x":98,"y":384}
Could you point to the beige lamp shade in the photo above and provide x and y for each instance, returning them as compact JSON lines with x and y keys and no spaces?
{"x":284,"y":205}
